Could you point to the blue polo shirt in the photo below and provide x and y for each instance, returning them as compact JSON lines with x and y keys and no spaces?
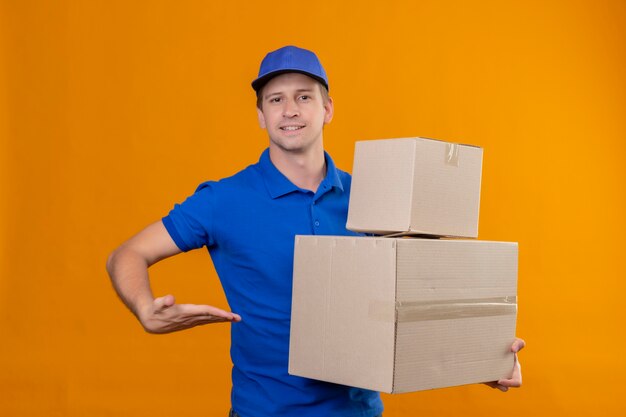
{"x":248,"y":223}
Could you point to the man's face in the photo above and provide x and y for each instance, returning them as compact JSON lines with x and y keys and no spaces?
{"x":294,"y":112}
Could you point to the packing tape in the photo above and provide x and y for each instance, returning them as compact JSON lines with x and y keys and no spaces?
{"x":409,"y":311}
{"x":452,"y":154}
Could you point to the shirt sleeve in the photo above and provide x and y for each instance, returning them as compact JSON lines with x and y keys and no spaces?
{"x":190,"y":224}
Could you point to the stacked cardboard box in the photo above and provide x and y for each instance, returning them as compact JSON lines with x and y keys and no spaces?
{"x":415,"y":186}
{"x":405,"y":314}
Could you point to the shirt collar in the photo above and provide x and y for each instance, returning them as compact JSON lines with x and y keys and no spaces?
{"x":278,"y":185}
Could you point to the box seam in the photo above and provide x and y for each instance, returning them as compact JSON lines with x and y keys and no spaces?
{"x":412,"y":189}
{"x":327,"y":307}
{"x":395,"y":318}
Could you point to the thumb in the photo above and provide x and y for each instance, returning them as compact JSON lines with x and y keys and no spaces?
{"x":165,"y":302}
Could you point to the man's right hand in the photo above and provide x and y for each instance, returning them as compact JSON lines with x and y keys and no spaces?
{"x":128,"y":267}
{"x":165,"y":316}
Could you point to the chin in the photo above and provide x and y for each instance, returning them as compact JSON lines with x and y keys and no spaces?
{"x":293,"y":148}
{"x":297,"y":144}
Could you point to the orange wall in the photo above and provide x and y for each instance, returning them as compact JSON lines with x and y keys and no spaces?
{"x":112,"y":111}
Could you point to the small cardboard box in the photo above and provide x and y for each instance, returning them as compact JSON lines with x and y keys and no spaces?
{"x":399,"y":315}
{"x":415,"y":186}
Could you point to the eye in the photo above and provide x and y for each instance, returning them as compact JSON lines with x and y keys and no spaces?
{"x":275,"y":100}
{"x":305,"y":97}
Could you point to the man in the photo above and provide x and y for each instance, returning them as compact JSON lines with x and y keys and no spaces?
{"x":248,"y":223}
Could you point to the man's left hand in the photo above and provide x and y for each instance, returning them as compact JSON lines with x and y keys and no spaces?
{"x":516,"y":379}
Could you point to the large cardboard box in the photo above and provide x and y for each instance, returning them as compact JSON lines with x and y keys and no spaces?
{"x":415,"y":186}
{"x":399,"y":315}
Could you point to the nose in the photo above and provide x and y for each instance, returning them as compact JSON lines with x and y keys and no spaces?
{"x":290,"y":109}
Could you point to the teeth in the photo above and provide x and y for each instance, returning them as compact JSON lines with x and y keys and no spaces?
{"x":291,"y":127}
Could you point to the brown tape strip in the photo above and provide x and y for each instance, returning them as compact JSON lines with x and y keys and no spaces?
{"x":409,"y":311}
{"x":452,"y":154}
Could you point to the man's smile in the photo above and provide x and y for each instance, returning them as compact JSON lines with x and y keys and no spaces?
{"x":291,"y":128}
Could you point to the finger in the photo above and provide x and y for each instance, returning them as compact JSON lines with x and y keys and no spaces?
{"x":200,"y":320}
{"x":495,"y":385}
{"x":518,"y":345}
{"x":510,"y":383}
{"x":516,"y":379}
{"x":169,"y":300}
{"x":192,"y":310}
{"x":162,"y":303}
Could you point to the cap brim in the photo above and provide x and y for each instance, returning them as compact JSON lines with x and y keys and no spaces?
{"x":261,"y":81}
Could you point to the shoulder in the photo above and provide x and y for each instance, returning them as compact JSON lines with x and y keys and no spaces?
{"x":239,"y":181}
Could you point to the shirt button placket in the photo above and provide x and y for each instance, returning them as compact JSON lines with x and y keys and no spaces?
{"x":314,"y":218}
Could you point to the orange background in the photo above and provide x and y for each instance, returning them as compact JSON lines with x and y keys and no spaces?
{"x":112,"y":111}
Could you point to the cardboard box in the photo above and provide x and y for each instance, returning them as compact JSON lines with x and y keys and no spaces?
{"x":398,"y":315}
{"x":415,"y":186}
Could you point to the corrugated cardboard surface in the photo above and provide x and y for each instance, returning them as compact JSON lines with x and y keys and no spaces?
{"x":382,"y":186}
{"x":415,"y":185}
{"x":398,"y":315}
{"x":333,"y":337}
{"x":452,"y":349}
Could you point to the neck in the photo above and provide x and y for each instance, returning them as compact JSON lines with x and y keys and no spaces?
{"x":306,"y":169}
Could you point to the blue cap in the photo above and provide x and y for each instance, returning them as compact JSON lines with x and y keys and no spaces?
{"x":290,"y":59}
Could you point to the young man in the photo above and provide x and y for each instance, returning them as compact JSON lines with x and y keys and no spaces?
{"x":248,"y":223}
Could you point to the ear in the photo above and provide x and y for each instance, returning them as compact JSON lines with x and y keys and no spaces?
{"x":329,"y":110}
{"x":261,"y":117}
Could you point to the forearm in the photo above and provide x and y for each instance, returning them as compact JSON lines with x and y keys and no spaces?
{"x":129,"y":275}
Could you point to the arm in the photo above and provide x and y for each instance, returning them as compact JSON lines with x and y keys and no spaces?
{"x":128,"y":268}
{"x":516,"y":379}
